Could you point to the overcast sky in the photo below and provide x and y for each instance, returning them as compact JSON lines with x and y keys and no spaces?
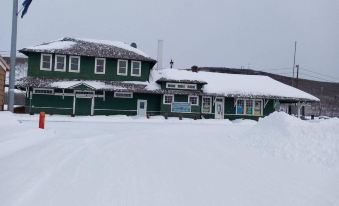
{"x":228,"y":33}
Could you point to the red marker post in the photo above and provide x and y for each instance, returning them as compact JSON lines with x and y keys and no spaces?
{"x":42,"y":120}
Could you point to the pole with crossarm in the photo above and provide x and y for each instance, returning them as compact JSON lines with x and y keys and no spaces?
{"x":13,"y":57}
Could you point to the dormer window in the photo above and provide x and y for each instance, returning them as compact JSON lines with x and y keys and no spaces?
{"x":136,"y":68}
{"x":100,"y":65}
{"x":122,"y":67}
{"x":46,"y":62}
{"x":60,"y":63}
{"x":181,"y":86}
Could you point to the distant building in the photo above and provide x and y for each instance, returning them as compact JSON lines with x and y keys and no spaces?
{"x":3,"y":69}
{"x":96,"y":77}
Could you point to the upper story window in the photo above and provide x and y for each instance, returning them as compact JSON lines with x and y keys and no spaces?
{"x":168,"y":98}
{"x":60,"y":63}
{"x":136,"y":68}
{"x":46,"y":62}
{"x":43,"y":91}
{"x":74,"y":64}
{"x":123,"y":94}
{"x":100,"y":65}
{"x":181,"y":86}
{"x":122,"y":67}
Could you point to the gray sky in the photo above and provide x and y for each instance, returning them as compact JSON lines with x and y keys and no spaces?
{"x":231,"y":33}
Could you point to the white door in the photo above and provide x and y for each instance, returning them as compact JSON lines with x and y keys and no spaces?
{"x":219,"y":108}
{"x":142,"y":108}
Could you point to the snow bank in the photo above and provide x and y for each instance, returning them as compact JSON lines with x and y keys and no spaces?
{"x":283,"y":135}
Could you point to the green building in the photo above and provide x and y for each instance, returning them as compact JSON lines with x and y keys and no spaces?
{"x":96,"y":77}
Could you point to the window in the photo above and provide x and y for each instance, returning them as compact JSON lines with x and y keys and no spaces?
{"x":123,"y":94}
{"x":240,"y":106}
{"x":206,"y":105}
{"x":46,"y":62}
{"x":136,"y":68}
{"x":191,"y":86}
{"x":168,"y":99}
{"x":181,"y":86}
{"x":249,"y":107}
{"x":193,"y":100}
{"x":100,"y":64}
{"x":43,"y":91}
{"x":171,"y":85}
{"x":60,"y":63}
{"x":74,"y":64}
{"x":257,"y":107}
{"x":122,"y":67}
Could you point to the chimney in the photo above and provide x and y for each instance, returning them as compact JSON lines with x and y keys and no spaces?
{"x":195,"y":68}
{"x":134,"y":45}
{"x":160,"y":53}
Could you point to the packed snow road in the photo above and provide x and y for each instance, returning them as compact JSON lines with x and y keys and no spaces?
{"x":124,"y":161}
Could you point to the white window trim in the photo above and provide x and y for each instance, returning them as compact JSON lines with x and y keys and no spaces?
{"x":43,"y":89}
{"x":253,"y":101}
{"x":41,"y":62}
{"x":126,"y":72}
{"x":176,"y":86}
{"x":202,"y":104}
{"x":130,"y":93}
{"x":197,"y":104}
{"x":69,"y":64}
{"x":136,"y":75}
{"x":95,"y":68}
{"x":55,"y":63}
{"x":163,"y":100}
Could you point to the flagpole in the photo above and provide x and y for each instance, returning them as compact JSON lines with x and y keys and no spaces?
{"x":10,"y":101}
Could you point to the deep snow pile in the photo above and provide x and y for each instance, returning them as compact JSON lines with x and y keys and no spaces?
{"x":130,"y":161}
{"x":284,"y":135}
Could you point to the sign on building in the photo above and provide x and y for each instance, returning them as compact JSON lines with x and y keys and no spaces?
{"x":181,"y":107}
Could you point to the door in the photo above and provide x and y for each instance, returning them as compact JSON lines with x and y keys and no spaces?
{"x":142,"y":108}
{"x":219,"y":108}
{"x":83,"y":103}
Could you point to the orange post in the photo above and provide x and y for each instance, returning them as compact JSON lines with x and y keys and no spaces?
{"x":42,"y":120}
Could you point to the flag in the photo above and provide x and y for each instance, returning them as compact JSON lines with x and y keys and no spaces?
{"x":25,"y":4}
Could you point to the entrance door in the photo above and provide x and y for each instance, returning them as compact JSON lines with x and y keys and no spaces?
{"x":219,"y":108}
{"x":83,"y":103}
{"x":142,"y":108}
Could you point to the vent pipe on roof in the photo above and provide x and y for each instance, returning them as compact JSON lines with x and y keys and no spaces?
{"x":134,"y":45}
{"x":160,"y":54}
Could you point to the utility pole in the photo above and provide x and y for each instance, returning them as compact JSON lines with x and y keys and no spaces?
{"x":10,"y":101}
{"x":295,"y":53}
{"x":297,"y":66}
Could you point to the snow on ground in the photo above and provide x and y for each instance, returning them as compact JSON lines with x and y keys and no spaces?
{"x":119,"y":160}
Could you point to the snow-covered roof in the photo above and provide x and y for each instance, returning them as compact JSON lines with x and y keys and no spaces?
{"x":236,"y":85}
{"x":90,"y":47}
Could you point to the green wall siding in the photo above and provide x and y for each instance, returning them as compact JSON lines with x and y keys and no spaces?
{"x":87,"y":65}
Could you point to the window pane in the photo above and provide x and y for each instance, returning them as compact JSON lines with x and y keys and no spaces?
{"x":168,"y":99}
{"x":100,"y":65}
{"x":194,"y":100}
{"x":46,"y":62}
{"x":240,"y":107}
{"x":206,"y":107}
{"x":136,"y":65}
{"x":249,"y":107}
{"x":122,"y":63}
{"x":60,"y":62}
{"x":257,"y":108}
